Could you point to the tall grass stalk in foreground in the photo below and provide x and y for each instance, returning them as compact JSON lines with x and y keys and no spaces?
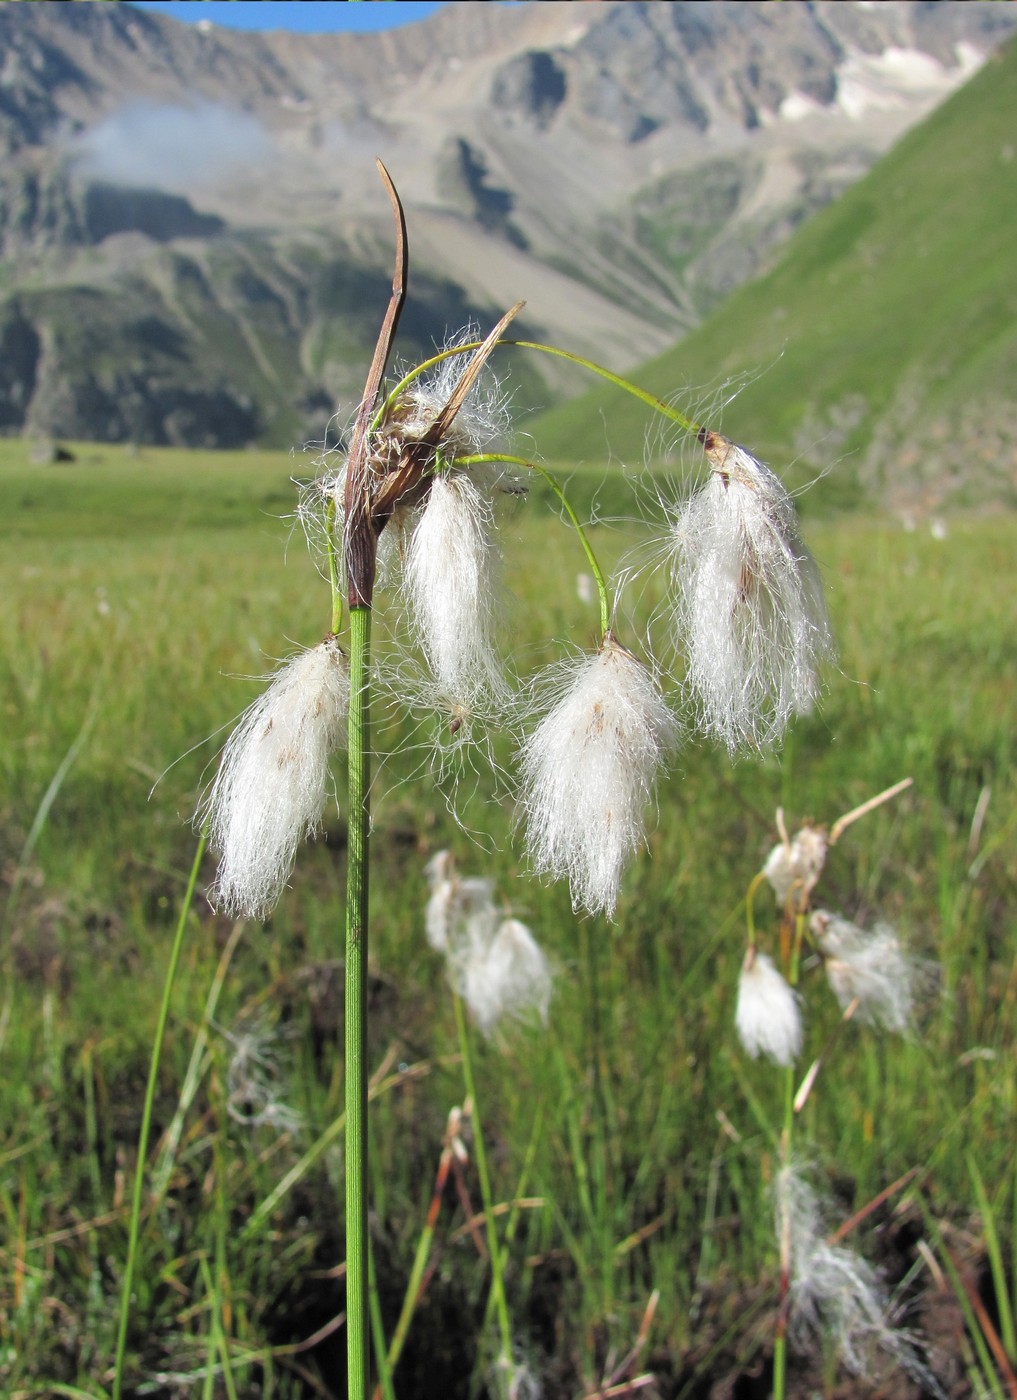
{"x":134,"y":1223}
{"x":414,"y":497}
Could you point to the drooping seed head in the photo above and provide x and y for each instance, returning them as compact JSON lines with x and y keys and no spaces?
{"x":767,"y":1016}
{"x":874,"y":969}
{"x":273,"y":779}
{"x":450,"y":580}
{"x":588,"y":772}
{"x":794,"y":867}
{"x":495,"y":964}
{"x":834,"y":1293}
{"x":749,"y":608}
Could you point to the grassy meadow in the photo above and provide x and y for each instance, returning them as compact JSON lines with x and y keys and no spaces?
{"x":632,"y":1142}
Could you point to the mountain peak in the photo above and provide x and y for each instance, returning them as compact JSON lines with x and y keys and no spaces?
{"x":621,"y":165}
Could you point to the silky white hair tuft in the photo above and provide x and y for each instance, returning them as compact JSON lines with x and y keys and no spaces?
{"x":451,"y":585}
{"x":749,"y":603}
{"x":873,"y":968}
{"x":273,"y":779}
{"x":588,"y":771}
{"x":495,"y":964}
{"x":767,"y":1015}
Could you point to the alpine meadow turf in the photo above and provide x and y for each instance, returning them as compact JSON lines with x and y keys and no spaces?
{"x":631,"y":1141}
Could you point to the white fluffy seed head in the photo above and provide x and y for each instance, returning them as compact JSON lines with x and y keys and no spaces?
{"x":874,"y":969}
{"x":494,"y":964}
{"x":450,"y":579}
{"x":749,"y":605}
{"x":588,"y":771}
{"x":256,"y":1079}
{"x":484,"y":417}
{"x":833,"y":1290}
{"x":455,"y":908}
{"x":794,"y":867}
{"x":273,"y":780}
{"x":511,"y":977}
{"x":767,"y":1016}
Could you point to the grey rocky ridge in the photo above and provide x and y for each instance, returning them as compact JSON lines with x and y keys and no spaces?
{"x":194,"y":242}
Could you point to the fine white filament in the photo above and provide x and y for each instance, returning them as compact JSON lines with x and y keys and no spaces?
{"x":588,"y":772}
{"x":451,"y":586}
{"x":872,"y":969}
{"x":750,"y":606}
{"x":833,"y":1289}
{"x":273,"y":780}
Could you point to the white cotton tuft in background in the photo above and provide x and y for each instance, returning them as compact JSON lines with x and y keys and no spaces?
{"x":510,"y":977}
{"x":749,"y":609}
{"x":495,"y":964}
{"x":874,"y":969}
{"x":834,"y":1291}
{"x":767,"y":1016}
{"x":273,"y":780}
{"x":796,"y":865}
{"x":588,"y":771}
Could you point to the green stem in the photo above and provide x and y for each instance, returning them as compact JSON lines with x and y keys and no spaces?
{"x":494,"y":1249}
{"x":786,"y":1146}
{"x":357,"y":1318}
{"x":146,"y":1121}
{"x":644,"y":396}
{"x":566,"y":505}
{"x":378,"y":1332}
{"x":750,"y":908}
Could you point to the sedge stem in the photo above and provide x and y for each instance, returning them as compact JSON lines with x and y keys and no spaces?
{"x":644,"y":396}
{"x":566,"y":505}
{"x":357,"y":1313}
{"x":134,"y":1227}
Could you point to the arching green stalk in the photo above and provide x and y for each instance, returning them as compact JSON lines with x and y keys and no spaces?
{"x":566,"y":504}
{"x":133,"y":1229}
{"x":643,"y":395}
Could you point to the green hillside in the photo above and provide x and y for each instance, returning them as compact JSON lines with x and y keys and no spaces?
{"x":885,"y":339}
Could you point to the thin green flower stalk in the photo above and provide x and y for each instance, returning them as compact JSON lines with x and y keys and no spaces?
{"x":134,"y":1223}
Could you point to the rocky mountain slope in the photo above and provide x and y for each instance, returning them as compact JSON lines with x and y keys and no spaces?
{"x":196,"y":247}
{"x":876,"y":360}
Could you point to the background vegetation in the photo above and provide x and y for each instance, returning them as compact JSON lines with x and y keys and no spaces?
{"x":141,"y":594}
{"x":885,"y":335}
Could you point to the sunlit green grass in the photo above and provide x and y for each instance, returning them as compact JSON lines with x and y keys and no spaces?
{"x":142,"y":597}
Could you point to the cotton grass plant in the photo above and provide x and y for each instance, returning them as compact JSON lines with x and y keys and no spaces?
{"x":411,"y":504}
{"x":830,"y":1295}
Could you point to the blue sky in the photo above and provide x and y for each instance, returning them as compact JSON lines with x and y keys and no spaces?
{"x":303,"y":16}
